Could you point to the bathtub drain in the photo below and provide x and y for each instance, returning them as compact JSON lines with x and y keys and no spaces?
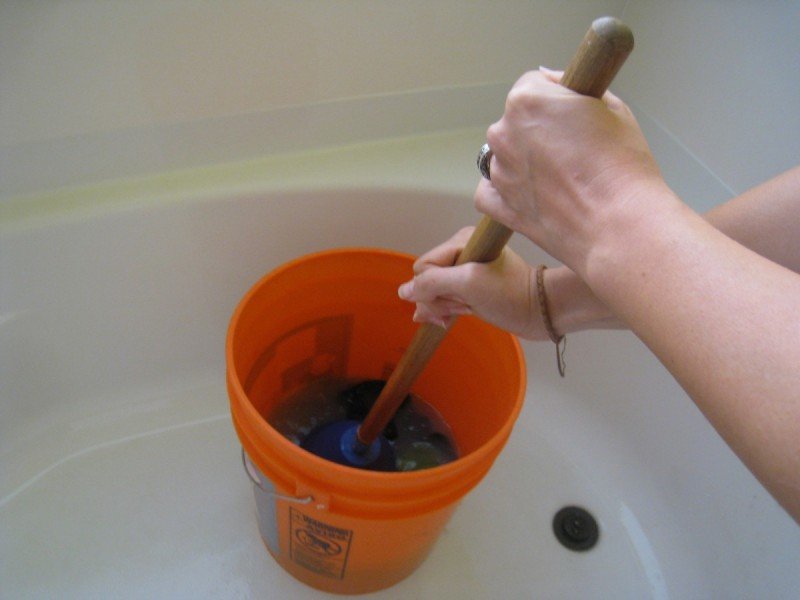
{"x":575,"y":528}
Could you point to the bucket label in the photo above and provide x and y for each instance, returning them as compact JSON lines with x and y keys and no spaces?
{"x":318,"y":546}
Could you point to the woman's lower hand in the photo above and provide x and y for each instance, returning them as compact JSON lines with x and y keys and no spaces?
{"x":501,"y":292}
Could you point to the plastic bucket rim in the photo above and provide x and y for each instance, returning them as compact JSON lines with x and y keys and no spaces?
{"x":363,"y":477}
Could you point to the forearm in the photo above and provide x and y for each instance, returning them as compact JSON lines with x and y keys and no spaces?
{"x":724,"y":321}
{"x":765,"y":219}
{"x":573,"y":305}
{"x":576,"y":177}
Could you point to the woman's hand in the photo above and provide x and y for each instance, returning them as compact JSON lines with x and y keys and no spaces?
{"x":565,"y":166}
{"x":498,"y":292}
{"x":502,"y":292}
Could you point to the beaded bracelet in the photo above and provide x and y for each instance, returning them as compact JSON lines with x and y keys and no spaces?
{"x":559,"y":340}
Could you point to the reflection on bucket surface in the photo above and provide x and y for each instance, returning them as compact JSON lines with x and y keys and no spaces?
{"x":336,"y":315}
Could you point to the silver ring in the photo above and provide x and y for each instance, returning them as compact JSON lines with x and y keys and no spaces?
{"x":484,"y":158}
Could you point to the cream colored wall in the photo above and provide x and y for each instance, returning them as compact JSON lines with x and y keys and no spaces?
{"x":96,"y":90}
{"x":103,"y":89}
{"x":722,"y":78}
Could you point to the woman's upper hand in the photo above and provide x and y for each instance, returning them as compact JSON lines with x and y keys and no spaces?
{"x":564,"y":165}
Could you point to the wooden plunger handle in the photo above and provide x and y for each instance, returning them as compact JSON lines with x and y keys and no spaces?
{"x":606,"y":45}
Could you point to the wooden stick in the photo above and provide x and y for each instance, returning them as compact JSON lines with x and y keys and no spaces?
{"x":606,"y":45}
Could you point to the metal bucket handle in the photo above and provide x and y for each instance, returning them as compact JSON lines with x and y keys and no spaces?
{"x":248,"y":465}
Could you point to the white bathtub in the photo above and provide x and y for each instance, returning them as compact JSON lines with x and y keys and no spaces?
{"x":121,"y":474}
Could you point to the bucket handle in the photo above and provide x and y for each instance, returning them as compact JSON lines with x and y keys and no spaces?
{"x":257,"y":482}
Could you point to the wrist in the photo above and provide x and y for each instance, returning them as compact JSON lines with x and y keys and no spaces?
{"x":628,"y":227}
{"x":572,"y":304}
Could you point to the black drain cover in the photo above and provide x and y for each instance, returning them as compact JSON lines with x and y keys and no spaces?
{"x":576,"y":528}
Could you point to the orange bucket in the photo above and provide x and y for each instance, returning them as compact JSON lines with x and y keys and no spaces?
{"x":337,"y":314}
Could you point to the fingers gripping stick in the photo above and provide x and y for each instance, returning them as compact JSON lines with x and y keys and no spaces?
{"x":604,"y":48}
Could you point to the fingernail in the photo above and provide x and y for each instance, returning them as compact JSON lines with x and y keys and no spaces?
{"x":440,"y":322}
{"x":551,"y":74}
{"x":405,"y":290}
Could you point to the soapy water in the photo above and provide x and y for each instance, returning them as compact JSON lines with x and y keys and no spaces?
{"x":419,"y":435}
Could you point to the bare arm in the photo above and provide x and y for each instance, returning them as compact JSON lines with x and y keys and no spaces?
{"x":765,"y":219}
{"x":723,"y":319}
{"x":576,"y":177}
{"x":726,"y":323}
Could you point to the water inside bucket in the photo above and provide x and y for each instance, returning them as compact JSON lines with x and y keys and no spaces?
{"x":420,"y":436}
